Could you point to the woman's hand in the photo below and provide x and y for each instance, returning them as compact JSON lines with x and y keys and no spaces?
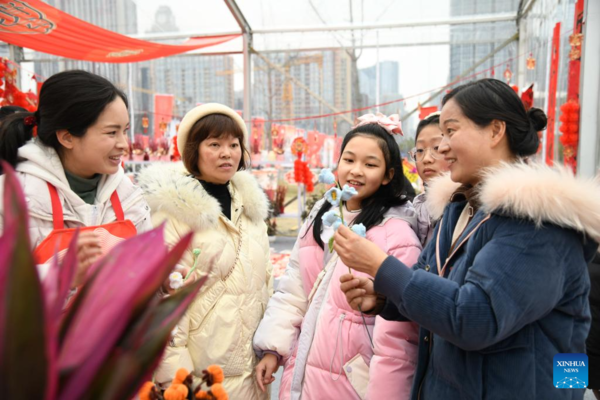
{"x":88,"y":251}
{"x":359,"y":291}
{"x":356,"y":252}
{"x":265,"y":369}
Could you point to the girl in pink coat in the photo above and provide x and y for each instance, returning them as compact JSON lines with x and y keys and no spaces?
{"x":328,"y":350}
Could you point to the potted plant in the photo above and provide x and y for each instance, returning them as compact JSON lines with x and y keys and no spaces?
{"x":271,"y":228}
{"x":109,"y":340}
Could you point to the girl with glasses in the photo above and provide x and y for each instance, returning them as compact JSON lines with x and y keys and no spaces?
{"x":430,"y":164}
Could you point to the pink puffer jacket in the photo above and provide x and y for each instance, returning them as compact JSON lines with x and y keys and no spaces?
{"x":335,"y":334}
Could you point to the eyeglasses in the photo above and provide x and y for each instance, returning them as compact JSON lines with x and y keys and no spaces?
{"x":417,"y":154}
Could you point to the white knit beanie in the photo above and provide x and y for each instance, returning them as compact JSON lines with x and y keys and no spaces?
{"x":199,"y":112}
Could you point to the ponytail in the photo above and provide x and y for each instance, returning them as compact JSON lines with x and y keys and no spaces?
{"x":14,"y":133}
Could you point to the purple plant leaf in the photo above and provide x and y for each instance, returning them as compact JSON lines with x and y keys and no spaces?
{"x":130,"y":276}
{"x":7,"y":244}
{"x":106,"y":305}
{"x":140,"y":350}
{"x":56,"y":287}
{"x":24,"y":348}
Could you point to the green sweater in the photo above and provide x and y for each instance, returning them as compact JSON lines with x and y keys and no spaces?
{"x":84,"y":188}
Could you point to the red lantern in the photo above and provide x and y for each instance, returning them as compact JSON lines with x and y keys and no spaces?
{"x":569,"y":128}
{"x":308,"y":178}
{"x":299,"y":171}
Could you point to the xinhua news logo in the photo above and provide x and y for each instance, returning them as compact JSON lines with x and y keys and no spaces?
{"x":570,"y":371}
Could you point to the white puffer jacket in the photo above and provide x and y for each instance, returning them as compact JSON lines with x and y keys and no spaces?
{"x":42,"y":165}
{"x":219,"y":325}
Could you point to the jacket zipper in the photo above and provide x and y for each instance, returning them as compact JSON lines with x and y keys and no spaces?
{"x":337,"y":340}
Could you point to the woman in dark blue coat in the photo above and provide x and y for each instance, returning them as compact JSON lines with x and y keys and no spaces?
{"x":503,"y":285}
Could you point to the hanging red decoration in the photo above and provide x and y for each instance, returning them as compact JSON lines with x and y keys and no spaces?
{"x":11,"y":95}
{"x":515,"y":88}
{"x":575,"y":41}
{"x":552,"y":90}
{"x":277,"y":138}
{"x":508,"y":74}
{"x":530,"y":61}
{"x":527,"y":97}
{"x":308,"y":178}
{"x":569,"y":127}
{"x":299,"y":171}
{"x":145,"y":123}
{"x":298,"y":148}
{"x":175,"y":156}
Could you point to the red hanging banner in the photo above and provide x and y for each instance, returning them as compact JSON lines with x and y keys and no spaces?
{"x":575,"y":55}
{"x":554,"y":60}
{"x":163,"y":112}
{"x":570,"y":138}
{"x":41,"y":27}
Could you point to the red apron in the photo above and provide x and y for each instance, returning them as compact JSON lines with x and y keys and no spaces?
{"x":57,"y":242}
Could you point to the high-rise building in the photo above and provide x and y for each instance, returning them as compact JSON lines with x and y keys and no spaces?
{"x":389,"y":72}
{"x":326,"y":74}
{"x":470,"y":43}
{"x":389,"y":75}
{"x":191,"y":79}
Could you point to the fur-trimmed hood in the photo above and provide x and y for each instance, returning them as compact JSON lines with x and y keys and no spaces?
{"x":533,"y":191}
{"x":168,"y":188}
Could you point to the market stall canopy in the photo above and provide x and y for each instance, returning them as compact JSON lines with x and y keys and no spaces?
{"x":36,"y":25}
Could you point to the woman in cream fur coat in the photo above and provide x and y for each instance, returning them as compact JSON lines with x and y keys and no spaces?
{"x":225,"y":208}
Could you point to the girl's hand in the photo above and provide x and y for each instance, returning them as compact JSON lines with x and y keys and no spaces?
{"x":359,"y":292}
{"x":356,"y":252}
{"x":88,"y":251}
{"x":265,"y":369}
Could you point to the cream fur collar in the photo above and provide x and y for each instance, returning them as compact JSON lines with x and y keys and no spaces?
{"x":534,"y":191}
{"x":169,"y":189}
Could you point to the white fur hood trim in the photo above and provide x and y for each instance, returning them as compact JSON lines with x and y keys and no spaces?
{"x":168,"y":188}
{"x":534,"y":191}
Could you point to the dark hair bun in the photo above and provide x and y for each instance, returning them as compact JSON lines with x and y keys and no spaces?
{"x":537,"y":118}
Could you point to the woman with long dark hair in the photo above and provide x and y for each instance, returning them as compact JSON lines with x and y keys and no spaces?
{"x":502,"y":287}
{"x":71,"y":171}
